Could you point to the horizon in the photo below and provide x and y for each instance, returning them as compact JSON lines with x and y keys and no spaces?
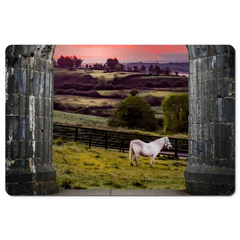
{"x":125,"y":53}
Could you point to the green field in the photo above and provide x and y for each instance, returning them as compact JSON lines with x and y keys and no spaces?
{"x":94,"y":73}
{"x":79,"y":167}
{"x":79,"y":119}
{"x":141,"y":93}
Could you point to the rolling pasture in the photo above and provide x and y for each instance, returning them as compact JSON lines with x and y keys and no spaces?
{"x":79,"y":167}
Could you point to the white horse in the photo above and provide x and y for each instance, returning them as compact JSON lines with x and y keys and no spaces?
{"x":147,"y":149}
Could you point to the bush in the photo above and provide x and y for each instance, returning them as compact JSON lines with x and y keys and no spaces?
{"x":134,"y":113}
{"x":58,"y":141}
{"x":59,"y":106}
{"x":152,"y":100}
{"x":175,"y":113}
{"x":102,"y":80}
{"x":148,"y":84}
{"x":178,"y":84}
{"x":165,"y":84}
{"x":134,"y":92}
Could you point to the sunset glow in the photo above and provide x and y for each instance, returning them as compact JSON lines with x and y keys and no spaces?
{"x":124,"y":53}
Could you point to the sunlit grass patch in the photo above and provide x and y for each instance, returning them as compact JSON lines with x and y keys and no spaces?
{"x":79,"y":167}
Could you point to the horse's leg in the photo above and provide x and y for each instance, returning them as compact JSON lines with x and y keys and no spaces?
{"x":152,"y":160}
{"x":136,"y":157}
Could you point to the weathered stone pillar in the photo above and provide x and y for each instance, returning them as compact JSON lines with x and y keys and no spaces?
{"x":211,"y":167}
{"x":29,"y":109}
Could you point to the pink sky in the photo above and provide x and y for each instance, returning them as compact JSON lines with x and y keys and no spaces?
{"x":124,"y":53}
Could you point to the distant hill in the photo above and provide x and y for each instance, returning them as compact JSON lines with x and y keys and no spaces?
{"x":180,"y":67}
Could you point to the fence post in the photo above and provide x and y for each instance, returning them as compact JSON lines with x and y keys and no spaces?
{"x":76,"y":133}
{"x":176,"y":155}
{"x":106,"y":136}
{"x":90,"y":140}
{"x":122,"y":145}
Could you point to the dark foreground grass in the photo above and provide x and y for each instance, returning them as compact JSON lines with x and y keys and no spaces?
{"x":79,"y":167}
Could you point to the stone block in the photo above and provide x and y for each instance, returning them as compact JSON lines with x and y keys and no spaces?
{"x":23,"y":83}
{"x":204,"y":51}
{"x":220,"y":61}
{"x":51,"y":88}
{"x":42,"y":84}
{"x":224,"y":110}
{"x":22,"y":106}
{"x":22,"y":149}
{"x":23,"y":127}
{"x":36,"y":83}
{"x":14,"y":148}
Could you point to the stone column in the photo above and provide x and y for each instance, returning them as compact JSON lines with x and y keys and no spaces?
{"x":29,"y":110}
{"x":211,"y":166}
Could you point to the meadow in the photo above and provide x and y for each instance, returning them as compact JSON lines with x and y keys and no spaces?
{"x":79,"y":167}
{"x":94,"y":73}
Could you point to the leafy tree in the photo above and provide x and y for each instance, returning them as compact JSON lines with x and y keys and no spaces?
{"x":143,"y":68}
{"x":107,"y":68}
{"x":112,"y":63}
{"x":135,"y":113}
{"x":101,"y":80}
{"x":175,"y":113}
{"x":68,"y":63}
{"x":135,"y":69}
{"x":60,"y":62}
{"x":157,"y":70}
{"x":151,"y":69}
{"x":167,"y":71}
{"x":134,"y":92}
{"x":77,"y":61}
{"x":119,"y":67}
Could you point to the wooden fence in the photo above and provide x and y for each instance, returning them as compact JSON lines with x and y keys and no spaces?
{"x":115,"y":140}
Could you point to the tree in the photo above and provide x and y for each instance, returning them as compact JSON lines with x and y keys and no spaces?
{"x":157,"y":70}
{"x":60,"y":61}
{"x":77,"y":61}
{"x":68,"y":63}
{"x":135,"y":113}
{"x":107,"y":68}
{"x":167,"y":71}
{"x":135,"y":69}
{"x":112,"y":63}
{"x":119,"y":67}
{"x":143,"y":68}
{"x":175,"y":113}
{"x":150,"y":69}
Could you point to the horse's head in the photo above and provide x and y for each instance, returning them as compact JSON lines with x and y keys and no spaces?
{"x":167,"y":143}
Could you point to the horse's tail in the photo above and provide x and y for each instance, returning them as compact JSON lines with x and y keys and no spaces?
{"x":130,"y":153}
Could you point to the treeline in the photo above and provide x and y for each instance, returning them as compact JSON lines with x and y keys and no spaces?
{"x":69,"y":62}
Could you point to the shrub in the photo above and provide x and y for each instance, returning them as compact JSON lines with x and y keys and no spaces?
{"x":102,"y":80}
{"x":165,"y":84}
{"x":59,"y":106}
{"x":87,"y":110}
{"x":152,"y":100}
{"x":58,"y":141}
{"x":175,"y":113}
{"x":134,"y":113}
{"x":134,"y":92}
{"x":148,"y":84}
{"x":178,"y":84}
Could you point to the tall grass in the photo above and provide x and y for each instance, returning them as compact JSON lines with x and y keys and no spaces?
{"x":79,"y":167}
